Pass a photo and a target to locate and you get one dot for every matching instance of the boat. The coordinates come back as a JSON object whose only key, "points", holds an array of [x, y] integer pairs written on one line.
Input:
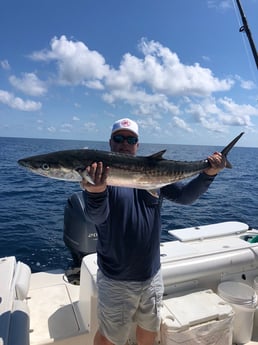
{"points": [[55, 307]]}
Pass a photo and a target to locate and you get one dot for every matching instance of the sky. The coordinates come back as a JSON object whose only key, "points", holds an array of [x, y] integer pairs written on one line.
{"points": [[180, 68]]}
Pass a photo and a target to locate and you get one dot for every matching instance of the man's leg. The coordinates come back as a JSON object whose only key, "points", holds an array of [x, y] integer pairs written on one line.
{"points": [[100, 339], [148, 314], [144, 337]]}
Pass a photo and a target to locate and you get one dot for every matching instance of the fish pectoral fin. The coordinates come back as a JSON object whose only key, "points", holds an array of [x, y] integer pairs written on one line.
{"points": [[85, 175], [157, 155], [153, 192]]}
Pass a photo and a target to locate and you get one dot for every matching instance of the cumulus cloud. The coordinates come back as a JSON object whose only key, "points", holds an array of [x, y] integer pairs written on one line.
{"points": [[66, 127], [90, 126], [246, 84], [216, 114], [151, 125], [17, 102], [29, 84], [5, 64], [76, 63], [236, 114], [154, 84], [180, 123], [220, 4], [164, 72], [158, 71], [51, 129]]}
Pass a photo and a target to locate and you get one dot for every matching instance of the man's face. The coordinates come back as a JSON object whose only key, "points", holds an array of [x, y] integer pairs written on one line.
{"points": [[119, 142]]}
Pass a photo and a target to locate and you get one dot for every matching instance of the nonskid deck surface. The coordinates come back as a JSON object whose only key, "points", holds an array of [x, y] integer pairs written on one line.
{"points": [[53, 308], [54, 314]]}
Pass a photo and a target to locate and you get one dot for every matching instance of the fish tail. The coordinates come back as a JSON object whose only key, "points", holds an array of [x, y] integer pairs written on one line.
{"points": [[226, 149]]}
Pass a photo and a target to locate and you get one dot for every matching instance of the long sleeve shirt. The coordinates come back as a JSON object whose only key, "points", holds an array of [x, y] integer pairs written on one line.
{"points": [[128, 223]]}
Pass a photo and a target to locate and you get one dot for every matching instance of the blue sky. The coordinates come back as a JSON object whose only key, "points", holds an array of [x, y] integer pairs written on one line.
{"points": [[181, 68]]}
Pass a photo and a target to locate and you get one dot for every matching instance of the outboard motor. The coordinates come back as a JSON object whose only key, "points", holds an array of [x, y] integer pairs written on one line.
{"points": [[80, 235]]}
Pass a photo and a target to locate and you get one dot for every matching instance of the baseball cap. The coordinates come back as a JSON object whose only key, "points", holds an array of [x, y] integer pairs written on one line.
{"points": [[125, 124]]}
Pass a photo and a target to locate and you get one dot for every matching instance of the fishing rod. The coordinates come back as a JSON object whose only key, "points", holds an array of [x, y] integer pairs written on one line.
{"points": [[245, 28]]}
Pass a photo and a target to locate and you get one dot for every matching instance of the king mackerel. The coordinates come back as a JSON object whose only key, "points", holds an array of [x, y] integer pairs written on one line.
{"points": [[142, 172]]}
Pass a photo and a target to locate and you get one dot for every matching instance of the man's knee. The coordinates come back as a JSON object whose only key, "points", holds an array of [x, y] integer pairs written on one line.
{"points": [[100, 339], [145, 337]]}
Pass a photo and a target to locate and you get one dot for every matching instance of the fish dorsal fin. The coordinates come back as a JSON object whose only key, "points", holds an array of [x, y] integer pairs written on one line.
{"points": [[157, 155]]}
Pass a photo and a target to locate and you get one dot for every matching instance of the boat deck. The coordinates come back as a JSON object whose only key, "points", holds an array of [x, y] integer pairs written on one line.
{"points": [[54, 310], [54, 314]]}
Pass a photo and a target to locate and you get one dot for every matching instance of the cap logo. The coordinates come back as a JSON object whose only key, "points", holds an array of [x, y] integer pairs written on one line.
{"points": [[125, 123]]}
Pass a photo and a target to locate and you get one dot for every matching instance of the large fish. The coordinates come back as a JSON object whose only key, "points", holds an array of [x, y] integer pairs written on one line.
{"points": [[148, 172]]}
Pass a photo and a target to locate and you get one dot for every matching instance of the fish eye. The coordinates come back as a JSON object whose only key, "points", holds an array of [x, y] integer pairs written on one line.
{"points": [[45, 166]]}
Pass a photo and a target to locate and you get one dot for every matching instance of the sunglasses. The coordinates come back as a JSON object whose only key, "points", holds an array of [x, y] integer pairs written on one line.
{"points": [[120, 139]]}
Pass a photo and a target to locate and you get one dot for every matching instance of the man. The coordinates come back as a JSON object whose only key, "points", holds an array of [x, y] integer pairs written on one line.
{"points": [[128, 223]]}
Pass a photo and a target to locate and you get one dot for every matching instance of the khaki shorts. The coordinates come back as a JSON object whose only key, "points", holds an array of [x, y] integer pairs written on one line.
{"points": [[120, 303]]}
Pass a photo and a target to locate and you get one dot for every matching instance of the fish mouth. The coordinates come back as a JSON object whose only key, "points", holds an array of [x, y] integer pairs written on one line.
{"points": [[24, 163]]}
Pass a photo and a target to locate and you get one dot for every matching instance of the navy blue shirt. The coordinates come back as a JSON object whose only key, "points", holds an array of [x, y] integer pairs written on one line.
{"points": [[128, 224]]}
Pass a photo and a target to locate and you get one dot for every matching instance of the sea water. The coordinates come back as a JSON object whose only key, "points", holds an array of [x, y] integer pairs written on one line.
{"points": [[32, 206]]}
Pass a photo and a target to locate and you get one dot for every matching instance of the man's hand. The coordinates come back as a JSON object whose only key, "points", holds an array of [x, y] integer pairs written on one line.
{"points": [[217, 162], [98, 175]]}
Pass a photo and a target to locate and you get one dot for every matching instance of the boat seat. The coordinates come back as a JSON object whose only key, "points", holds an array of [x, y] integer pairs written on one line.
{"points": [[14, 312], [19, 326], [22, 280]]}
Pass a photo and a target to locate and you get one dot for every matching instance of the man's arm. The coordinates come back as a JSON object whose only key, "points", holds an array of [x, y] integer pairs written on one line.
{"points": [[96, 193], [188, 193]]}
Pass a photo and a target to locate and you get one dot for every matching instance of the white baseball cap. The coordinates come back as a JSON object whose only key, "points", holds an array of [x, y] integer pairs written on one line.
{"points": [[125, 124]]}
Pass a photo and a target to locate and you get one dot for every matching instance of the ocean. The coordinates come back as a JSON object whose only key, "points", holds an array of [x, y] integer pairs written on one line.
{"points": [[32, 207]]}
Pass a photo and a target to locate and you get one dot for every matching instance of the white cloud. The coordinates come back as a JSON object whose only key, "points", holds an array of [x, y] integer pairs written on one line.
{"points": [[153, 85], [76, 63], [150, 124], [159, 71], [164, 72], [216, 114], [29, 84], [17, 102], [66, 127], [180, 123], [90, 126], [76, 118], [51, 129], [5, 65], [94, 84], [236, 114], [220, 4], [246, 84]]}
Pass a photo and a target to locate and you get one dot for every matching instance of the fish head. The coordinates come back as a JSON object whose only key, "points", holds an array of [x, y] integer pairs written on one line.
{"points": [[53, 166]]}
